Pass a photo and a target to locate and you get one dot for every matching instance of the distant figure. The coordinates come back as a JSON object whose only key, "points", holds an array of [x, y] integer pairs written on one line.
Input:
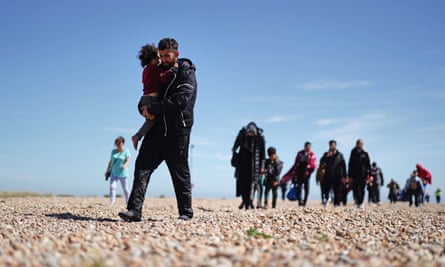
{"points": [[154, 80], [426, 177], [438, 193], [300, 173], [427, 198], [333, 180], [414, 188], [273, 169], [394, 191], [117, 169], [359, 167], [377, 182], [251, 144]]}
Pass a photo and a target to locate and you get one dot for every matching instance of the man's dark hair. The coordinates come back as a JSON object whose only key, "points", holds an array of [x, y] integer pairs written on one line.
{"points": [[147, 53], [271, 150], [306, 144], [332, 142], [168, 44]]}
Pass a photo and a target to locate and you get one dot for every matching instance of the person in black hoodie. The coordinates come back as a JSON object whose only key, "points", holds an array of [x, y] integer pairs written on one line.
{"points": [[169, 138], [335, 172], [359, 169]]}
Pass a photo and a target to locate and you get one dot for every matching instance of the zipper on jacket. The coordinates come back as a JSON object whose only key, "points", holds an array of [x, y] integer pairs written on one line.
{"points": [[183, 120], [165, 94]]}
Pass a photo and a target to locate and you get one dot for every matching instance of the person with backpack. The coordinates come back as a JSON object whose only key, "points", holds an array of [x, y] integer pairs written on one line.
{"points": [[414, 188]]}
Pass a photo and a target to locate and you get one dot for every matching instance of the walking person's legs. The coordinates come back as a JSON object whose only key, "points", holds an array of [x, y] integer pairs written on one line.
{"points": [[124, 184], [148, 159], [306, 191], [266, 195], [337, 185], [259, 190], [299, 189], [359, 188], [176, 156], [274, 197], [113, 181]]}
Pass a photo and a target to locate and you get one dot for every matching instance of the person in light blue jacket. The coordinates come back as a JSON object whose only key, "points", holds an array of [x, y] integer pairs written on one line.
{"points": [[117, 169]]}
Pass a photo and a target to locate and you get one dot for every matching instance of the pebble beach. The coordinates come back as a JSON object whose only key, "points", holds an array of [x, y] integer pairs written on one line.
{"points": [[86, 231]]}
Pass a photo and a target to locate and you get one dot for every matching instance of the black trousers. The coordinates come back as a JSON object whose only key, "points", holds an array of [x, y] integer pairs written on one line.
{"points": [[358, 189], [154, 150], [303, 183], [416, 193], [332, 184], [274, 195]]}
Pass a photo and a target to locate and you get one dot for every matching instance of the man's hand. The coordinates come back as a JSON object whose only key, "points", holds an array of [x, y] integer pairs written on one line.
{"points": [[145, 113], [135, 140]]}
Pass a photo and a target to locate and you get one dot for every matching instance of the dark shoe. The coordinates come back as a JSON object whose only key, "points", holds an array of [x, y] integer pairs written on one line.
{"points": [[184, 218], [241, 206], [130, 216]]}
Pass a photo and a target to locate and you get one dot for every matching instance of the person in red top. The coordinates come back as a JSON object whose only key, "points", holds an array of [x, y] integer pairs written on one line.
{"points": [[154, 79], [424, 174], [305, 164]]}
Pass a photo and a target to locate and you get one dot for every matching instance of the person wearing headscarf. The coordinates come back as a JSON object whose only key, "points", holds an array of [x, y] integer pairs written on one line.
{"points": [[250, 147]]}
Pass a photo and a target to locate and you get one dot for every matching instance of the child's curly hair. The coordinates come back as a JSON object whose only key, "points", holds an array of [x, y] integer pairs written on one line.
{"points": [[147, 53]]}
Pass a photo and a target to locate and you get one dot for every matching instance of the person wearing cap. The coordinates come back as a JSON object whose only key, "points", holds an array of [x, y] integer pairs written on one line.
{"points": [[250, 147]]}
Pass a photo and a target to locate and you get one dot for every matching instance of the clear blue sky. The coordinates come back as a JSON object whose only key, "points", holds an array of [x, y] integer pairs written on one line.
{"points": [[303, 70]]}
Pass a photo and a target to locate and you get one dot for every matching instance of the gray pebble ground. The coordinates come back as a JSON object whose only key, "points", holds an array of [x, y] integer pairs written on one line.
{"points": [[69, 231]]}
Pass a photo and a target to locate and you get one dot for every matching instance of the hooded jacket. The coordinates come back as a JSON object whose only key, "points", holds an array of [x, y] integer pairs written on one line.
{"points": [[174, 109]]}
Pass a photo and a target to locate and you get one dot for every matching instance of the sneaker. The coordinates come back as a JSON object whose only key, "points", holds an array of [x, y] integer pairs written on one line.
{"points": [[130, 216], [184, 218]]}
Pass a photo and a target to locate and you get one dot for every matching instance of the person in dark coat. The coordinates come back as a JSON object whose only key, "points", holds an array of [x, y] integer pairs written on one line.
{"points": [[251, 159], [376, 183], [394, 191], [273, 169], [335, 172], [359, 169]]}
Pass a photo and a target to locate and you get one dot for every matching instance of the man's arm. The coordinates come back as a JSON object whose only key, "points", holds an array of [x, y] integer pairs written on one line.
{"points": [[179, 97]]}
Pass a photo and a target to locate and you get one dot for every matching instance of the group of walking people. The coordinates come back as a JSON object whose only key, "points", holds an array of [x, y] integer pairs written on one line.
{"points": [[167, 105], [334, 175]]}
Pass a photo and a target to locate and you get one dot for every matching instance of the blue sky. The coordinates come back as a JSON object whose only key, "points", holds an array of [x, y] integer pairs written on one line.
{"points": [[303, 70]]}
